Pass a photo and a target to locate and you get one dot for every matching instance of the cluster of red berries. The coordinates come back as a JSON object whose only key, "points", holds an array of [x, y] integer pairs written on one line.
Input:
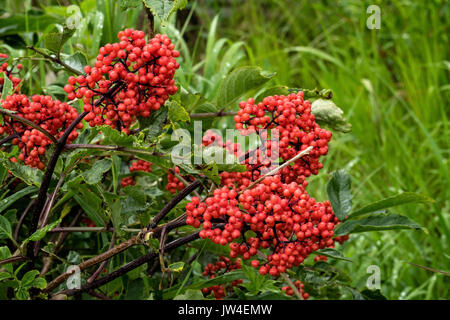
{"points": [[289, 291], [173, 183], [51, 115], [130, 78], [278, 211], [7, 71], [223, 265], [296, 130], [139, 165]]}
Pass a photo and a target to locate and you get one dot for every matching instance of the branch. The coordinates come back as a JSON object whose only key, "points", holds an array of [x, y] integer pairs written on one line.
{"points": [[274, 171], [28, 123], [172, 203], [109, 148], [13, 260], [55, 59], [130, 266], [212, 114]]}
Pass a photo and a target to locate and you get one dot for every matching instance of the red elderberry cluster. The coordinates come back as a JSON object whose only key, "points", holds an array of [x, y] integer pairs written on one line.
{"points": [[139, 165], [8, 72], [130, 78], [278, 211], [223, 265], [174, 184], [296, 131], [51, 115], [289, 291]]}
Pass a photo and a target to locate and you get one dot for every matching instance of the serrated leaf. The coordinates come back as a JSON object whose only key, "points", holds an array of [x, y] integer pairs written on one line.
{"points": [[28, 278], [340, 193], [154, 123], [164, 8], [5, 228], [25, 173], [190, 295], [76, 61], [7, 87], [211, 171], [39, 234], [91, 204], [5, 203], [332, 253], [399, 199], [375, 223], [239, 82], [56, 38], [177, 112], [112, 136], [95, 173], [327, 112]]}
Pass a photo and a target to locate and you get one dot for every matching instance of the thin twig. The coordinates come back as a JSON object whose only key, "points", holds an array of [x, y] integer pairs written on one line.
{"points": [[212, 114], [274, 171], [104, 263], [55, 59], [28, 123]]}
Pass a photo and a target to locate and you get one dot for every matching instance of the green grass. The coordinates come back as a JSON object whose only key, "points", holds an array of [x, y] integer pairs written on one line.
{"points": [[392, 84]]}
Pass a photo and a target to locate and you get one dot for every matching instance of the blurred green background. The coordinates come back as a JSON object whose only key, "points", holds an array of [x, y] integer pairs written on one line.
{"points": [[392, 83]]}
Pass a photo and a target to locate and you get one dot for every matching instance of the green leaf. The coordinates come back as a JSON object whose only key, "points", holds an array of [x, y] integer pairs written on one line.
{"points": [[340, 193], [211, 171], [90, 203], [176, 266], [39, 234], [332, 253], [234, 167], [327, 112], [7, 87], [222, 279], [177, 112], [22, 293], [39, 283], [95, 173], [5, 203], [154, 123], [25, 173], [190, 295], [56, 38], [76, 61], [378, 222], [272, 91], [164, 8], [239, 82], [28, 278], [15, 24], [5, 228], [129, 4], [399, 199], [5, 254], [112, 136], [5, 275], [373, 294]]}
